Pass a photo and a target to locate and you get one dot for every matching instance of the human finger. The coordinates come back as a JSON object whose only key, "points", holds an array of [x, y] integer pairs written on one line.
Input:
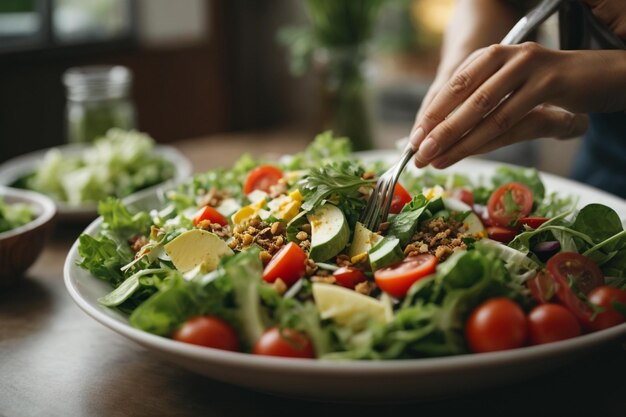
{"points": [[542, 121], [458, 89]]}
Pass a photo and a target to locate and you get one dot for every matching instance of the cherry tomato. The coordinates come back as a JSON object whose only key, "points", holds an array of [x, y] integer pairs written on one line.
{"points": [[533, 222], [208, 331], [583, 271], [496, 324], [562, 275], [542, 287], [396, 279], [401, 197], [288, 264], [262, 178], [501, 234], [210, 214], [463, 194], [606, 297], [509, 203], [550, 323], [287, 343], [348, 276]]}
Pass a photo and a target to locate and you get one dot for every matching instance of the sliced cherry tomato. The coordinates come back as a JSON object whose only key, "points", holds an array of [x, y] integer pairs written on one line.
{"points": [[533, 222], [496, 324], [262, 178], [210, 214], [208, 331], [542, 287], [607, 298], [501, 234], [286, 343], [349, 276], [288, 264], [401, 197], [586, 275], [396, 279], [559, 266], [464, 194], [509, 203], [551, 323]]}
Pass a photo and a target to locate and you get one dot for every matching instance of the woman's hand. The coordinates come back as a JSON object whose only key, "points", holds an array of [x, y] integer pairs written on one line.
{"points": [[505, 94]]}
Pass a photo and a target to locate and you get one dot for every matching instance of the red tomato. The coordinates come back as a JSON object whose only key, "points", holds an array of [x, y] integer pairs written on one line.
{"points": [[542, 287], [348, 276], [401, 197], [551, 323], [572, 266], [287, 264], [501, 234], [463, 194], [262, 178], [398, 278], [496, 324], [287, 343], [509, 203], [566, 266], [208, 331], [606, 297], [210, 214], [533, 222]]}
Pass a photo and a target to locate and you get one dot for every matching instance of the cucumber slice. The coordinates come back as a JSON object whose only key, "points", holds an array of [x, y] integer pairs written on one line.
{"points": [[386, 252]]}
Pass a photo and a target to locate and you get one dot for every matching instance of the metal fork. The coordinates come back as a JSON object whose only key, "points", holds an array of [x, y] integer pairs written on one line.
{"points": [[379, 202]]}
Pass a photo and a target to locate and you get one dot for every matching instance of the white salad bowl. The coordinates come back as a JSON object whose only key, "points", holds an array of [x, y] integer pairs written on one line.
{"points": [[16, 168], [363, 381]]}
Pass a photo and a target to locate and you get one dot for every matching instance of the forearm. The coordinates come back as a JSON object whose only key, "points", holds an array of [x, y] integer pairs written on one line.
{"points": [[474, 25]]}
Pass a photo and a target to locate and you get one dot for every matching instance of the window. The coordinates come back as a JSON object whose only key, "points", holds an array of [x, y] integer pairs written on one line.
{"points": [[27, 25]]}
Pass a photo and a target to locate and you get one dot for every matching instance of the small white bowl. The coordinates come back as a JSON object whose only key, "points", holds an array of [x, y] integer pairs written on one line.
{"points": [[20, 247]]}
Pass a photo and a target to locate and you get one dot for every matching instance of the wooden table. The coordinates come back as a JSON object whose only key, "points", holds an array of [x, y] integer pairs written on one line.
{"points": [[57, 361]]}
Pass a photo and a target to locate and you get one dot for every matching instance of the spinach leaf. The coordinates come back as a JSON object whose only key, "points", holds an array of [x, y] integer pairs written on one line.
{"points": [[600, 222]]}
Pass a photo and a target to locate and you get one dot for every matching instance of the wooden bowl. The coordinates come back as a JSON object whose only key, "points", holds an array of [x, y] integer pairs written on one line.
{"points": [[20, 247]]}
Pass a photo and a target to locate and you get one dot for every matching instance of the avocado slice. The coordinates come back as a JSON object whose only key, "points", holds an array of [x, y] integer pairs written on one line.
{"points": [[329, 232], [195, 247], [363, 240]]}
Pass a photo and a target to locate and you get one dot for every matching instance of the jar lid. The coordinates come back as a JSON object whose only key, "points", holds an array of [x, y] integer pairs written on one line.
{"points": [[97, 82]]}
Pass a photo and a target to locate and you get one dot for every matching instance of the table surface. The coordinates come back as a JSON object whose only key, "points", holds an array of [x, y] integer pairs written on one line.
{"points": [[57, 361]]}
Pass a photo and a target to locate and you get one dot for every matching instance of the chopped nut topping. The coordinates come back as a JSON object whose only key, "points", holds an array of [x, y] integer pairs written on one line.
{"points": [[280, 286], [324, 279], [365, 287]]}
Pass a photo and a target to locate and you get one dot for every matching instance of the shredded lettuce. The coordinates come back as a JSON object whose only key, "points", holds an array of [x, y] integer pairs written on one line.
{"points": [[118, 164], [14, 215]]}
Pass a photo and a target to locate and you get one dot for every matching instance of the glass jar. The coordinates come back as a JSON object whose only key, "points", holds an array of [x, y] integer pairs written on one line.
{"points": [[97, 100]]}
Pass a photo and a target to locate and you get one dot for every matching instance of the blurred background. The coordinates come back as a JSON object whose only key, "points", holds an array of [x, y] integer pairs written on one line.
{"points": [[230, 68]]}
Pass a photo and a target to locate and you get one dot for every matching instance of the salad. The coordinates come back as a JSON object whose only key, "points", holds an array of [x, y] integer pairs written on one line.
{"points": [[14, 215], [117, 164], [270, 258]]}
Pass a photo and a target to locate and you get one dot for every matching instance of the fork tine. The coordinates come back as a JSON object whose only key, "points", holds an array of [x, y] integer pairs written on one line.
{"points": [[379, 202], [372, 204]]}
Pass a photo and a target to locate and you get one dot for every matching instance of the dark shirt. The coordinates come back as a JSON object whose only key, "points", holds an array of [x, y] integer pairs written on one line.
{"points": [[601, 159]]}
